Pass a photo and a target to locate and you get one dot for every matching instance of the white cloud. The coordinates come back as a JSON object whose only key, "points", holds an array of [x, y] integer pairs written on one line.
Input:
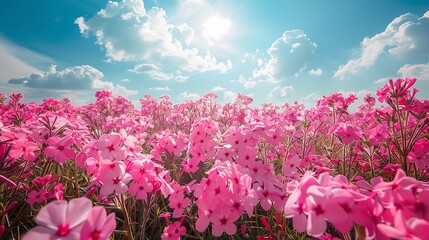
{"points": [[289, 56], [152, 70], [245, 82], [160, 89], [228, 96], [130, 33], [382, 80], [74, 78], [155, 72], [316, 72], [218, 89], [280, 92], [115, 89], [16, 61], [181, 78], [405, 35], [78, 77], [189, 96], [419, 71]]}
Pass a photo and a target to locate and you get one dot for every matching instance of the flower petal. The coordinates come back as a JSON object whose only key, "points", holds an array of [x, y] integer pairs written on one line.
{"points": [[78, 210], [53, 214]]}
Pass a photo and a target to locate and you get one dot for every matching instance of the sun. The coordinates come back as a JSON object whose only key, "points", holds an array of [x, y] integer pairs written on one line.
{"points": [[216, 27]]}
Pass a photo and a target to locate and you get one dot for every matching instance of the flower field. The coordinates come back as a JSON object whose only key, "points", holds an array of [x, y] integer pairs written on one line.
{"points": [[204, 170]]}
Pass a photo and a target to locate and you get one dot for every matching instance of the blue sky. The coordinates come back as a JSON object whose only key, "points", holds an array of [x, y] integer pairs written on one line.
{"points": [[273, 51]]}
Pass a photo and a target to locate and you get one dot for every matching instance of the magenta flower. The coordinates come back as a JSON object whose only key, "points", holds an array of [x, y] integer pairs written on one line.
{"points": [[59, 148], [223, 221], [23, 148], [412, 228], [37, 196], [60, 220], [99, 226], [111, 146], [173, 231], [320, 208], [390, 191], [114, 178]]}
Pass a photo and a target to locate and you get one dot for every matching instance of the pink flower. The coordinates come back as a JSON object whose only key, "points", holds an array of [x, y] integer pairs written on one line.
{"points": [[389, 192], [141, 188], [111, 146], [173, 231], [37, 196], [178, 202], [223, 221], [98, 226], [412, 228], [320, 208], [59, 148], [114, 178], [60, 220], [23, 148]]}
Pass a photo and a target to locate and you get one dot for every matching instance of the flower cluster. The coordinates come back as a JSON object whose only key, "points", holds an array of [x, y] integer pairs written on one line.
{"points": [[200, 169]]}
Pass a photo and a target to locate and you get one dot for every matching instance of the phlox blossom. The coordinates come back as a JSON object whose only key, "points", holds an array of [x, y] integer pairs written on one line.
{"points": [[59, 148], [60, 220], [99, 225]]}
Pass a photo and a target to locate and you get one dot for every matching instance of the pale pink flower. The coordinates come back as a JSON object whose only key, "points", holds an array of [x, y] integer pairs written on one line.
{"points": [[223, 221], [98, 226], [114, 178], [59, 148], [412, 228], [23, 148], [60, 220], [110, 146]]}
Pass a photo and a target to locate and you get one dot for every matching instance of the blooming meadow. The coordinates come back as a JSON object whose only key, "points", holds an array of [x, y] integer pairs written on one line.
{"points": [[201, 170]]}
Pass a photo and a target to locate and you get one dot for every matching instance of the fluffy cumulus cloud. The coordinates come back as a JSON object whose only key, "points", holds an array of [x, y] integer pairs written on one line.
{"points": [[279, 92], [246, 82], [288, 56], [316, 72], [152, 70], [189, 96], [74, 78], [156, 72], [227, 95], [162, 89], [419, 71], [406, 35], [129, 32]]}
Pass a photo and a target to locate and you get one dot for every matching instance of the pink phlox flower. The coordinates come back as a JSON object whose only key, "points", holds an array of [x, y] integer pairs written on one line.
{"points": [[60, 220], [173, 231], [245, 155], [178, 202], [143, 168], [99, 225], [346, 132], [59, 148], [420, 154], [405, 228], [114, 178], [377, 134], [141, 188], [23, 148], [94, 166], [290, 167], [111, 146], [37, 196], [223, 221], [294, 207], [389, 192]]}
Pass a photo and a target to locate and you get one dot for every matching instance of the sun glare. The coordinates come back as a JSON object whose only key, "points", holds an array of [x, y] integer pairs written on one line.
{"points": [[215, 27]]}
